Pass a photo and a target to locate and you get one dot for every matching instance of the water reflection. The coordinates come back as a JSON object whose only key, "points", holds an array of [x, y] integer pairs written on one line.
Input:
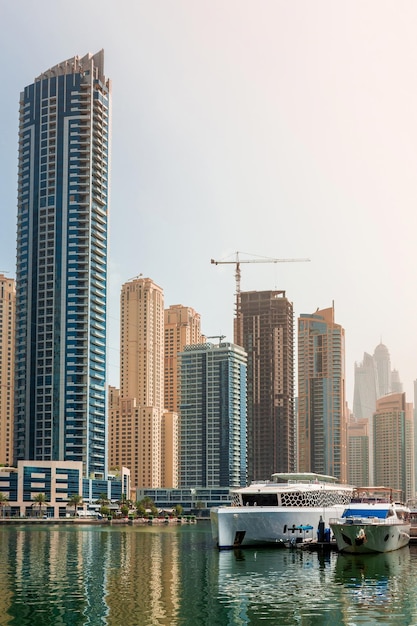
{"points": [[78, 576], [279, 586], [313, 588], [375, 586]]}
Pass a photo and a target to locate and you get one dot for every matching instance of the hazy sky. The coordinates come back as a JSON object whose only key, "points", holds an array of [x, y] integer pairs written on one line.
{"points": [[280, 129]]}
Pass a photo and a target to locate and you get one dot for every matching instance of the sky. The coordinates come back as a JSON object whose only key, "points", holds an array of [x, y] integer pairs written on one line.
{"points": [[279, 129]]}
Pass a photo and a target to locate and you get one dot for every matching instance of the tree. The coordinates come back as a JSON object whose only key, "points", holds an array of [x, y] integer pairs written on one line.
{"points": [[40, 499], [199, 506], [178, 510], [74, 501], [3, 502], [145, 505], [103, 501], [124, 501]]}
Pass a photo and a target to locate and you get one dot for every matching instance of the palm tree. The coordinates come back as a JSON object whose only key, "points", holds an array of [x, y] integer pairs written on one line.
{"points": [[3, 502], [103, 501], [74, 501], [40, 499]]}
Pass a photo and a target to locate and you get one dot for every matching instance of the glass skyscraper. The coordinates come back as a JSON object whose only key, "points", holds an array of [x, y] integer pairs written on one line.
{"points": [[213, 415], [60, 393]]}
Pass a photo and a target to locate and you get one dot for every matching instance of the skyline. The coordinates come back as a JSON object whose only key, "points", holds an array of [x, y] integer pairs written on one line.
{"points": [[299, 117]]}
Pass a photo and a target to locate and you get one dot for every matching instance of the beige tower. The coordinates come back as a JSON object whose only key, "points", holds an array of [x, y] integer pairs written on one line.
{"points": [[136, 414], [322, 420], [7, 341], [358, 452], [393, 444], [142, 342], [182, 328]]}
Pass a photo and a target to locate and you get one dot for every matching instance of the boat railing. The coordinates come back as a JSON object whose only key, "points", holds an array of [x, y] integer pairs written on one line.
{"points": [[375, 521], [381, 500]]}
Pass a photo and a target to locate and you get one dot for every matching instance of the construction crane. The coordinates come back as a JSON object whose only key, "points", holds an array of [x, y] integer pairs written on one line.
{"points": [[219, 337], [237, 262]]}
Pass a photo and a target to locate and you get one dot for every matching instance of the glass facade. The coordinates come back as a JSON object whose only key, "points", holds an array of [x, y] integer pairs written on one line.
{"points": [[213, 416], [60, 395]]}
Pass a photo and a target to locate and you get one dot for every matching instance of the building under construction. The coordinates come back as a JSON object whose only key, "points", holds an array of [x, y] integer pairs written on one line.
{"points": [[267, 326]]}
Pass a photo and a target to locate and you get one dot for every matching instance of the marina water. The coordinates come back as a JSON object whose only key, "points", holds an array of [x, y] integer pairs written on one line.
{"points": [[53, 575]]}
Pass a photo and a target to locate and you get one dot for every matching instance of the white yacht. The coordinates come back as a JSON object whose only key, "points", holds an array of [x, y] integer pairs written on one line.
{"points": [[290, 508], [372, 523]]}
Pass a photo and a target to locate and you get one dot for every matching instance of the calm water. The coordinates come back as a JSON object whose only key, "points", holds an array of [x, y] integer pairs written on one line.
{"points": [[54, 575]]}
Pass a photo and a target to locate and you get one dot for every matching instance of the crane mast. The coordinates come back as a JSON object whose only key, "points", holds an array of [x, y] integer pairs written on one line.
{"points": [[237, 262]]}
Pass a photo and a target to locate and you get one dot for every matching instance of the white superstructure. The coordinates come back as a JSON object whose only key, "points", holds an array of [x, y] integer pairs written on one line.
{"points": [[368, 526], [289, 508]]}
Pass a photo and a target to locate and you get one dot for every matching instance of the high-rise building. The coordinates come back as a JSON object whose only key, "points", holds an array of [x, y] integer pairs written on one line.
{"points": [[7, 343], [322, 419], [415, 431], [383, 367], [365, 394], [373, 379], [267, 327], [142, 342], [396, 384], [213, 415], [394, 444], [182, 328], [365, 390], [60, 394], [358, 452], [138, 432]]}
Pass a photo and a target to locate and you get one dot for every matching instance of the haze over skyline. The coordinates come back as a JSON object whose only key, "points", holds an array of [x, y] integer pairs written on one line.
{"points": [[280, 129]]}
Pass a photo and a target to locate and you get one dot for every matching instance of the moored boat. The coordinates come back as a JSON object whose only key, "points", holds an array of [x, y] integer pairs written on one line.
{"points": [[372, 523], [288, 509]]}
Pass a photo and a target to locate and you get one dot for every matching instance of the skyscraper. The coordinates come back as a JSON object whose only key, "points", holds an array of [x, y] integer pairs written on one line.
{"points": [[394, 444], [365, 394], [213, 415], [358, 452], [383, 366], [182, 328], [267, 327], [322, 419], [366, 388], [136, 415], [60, 393], [7, 343]]}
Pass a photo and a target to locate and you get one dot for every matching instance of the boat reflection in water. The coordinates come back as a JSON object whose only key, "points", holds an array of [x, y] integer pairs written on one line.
{"points": [[277, 586], [375, 582], [315, 588]]}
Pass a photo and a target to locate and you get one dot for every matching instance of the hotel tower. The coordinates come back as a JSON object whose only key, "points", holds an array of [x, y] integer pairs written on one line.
{"points": [[60, 393]]}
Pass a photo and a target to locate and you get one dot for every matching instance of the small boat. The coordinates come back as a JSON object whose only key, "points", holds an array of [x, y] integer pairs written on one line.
{"points": [[289, 509], [372, 523]]}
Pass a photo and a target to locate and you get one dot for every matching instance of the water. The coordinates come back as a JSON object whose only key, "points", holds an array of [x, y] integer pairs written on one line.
{"points": [[52, 575]]}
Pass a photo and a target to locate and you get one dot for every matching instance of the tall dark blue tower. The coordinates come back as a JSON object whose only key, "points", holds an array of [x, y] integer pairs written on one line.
{"points": [[60, 375]]}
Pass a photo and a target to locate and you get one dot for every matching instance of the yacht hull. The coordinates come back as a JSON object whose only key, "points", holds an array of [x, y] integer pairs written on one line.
{"points": [[366, 538], [237, 526]]}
